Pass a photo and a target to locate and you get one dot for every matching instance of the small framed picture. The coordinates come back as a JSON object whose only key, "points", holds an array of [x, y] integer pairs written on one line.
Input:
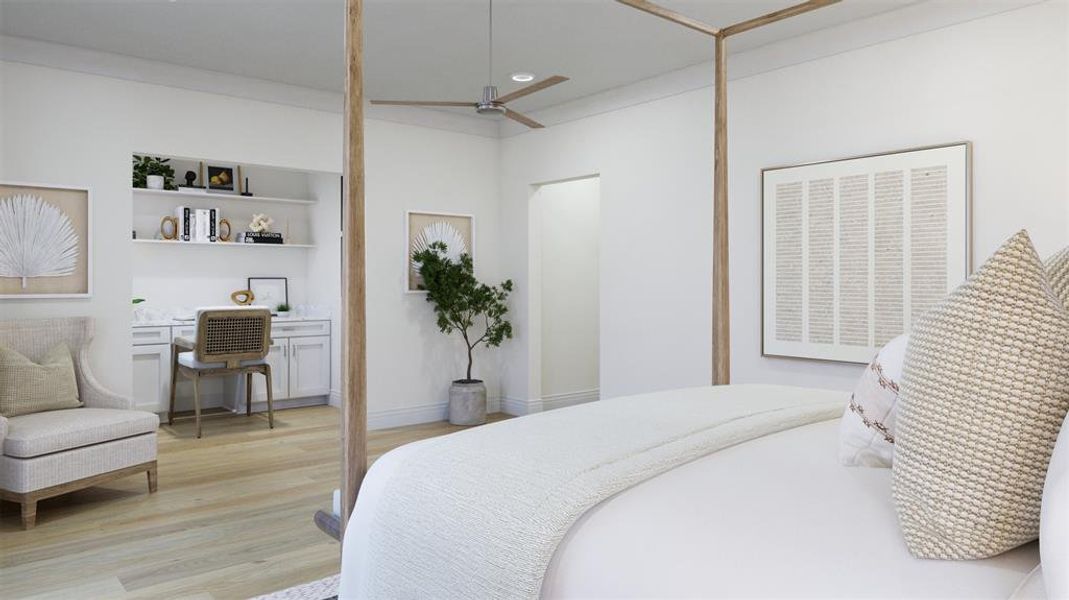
{"points": [[222, 179], [269, 292], [423, 228]]}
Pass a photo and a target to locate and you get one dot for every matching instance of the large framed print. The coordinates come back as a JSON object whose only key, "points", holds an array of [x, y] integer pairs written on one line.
{"points": [[855, 250], [45, 241]]}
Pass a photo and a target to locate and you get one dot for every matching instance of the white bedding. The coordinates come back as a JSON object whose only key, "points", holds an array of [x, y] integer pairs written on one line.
{"points": [[773, 517]]}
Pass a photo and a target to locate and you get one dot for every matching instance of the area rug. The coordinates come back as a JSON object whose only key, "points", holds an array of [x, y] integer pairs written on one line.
{"points": [[323, 589]]}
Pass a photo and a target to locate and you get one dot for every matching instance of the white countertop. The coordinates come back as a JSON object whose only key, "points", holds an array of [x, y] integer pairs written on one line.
{"points": [[188, 322]]}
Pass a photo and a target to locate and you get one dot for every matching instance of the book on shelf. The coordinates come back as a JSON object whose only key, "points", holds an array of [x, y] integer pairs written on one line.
{"points": [[206, 222], [262, 237], [184, 214]]}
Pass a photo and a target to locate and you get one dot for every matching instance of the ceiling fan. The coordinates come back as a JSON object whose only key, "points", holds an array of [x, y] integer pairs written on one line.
{"points": [[491, 103]]}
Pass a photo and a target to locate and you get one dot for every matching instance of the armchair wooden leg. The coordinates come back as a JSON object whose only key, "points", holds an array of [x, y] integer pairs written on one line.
{"points": [[248, 394], [196, 401], [174, 382], [152, 479], [270, 398], [29, 513]]}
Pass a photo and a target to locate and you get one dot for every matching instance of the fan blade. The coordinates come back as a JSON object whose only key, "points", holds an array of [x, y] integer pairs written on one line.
{"points": [[519, 118], [422, 103], [534, 87]]}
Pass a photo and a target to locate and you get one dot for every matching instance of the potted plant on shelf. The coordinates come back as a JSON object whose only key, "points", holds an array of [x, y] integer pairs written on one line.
{"points": [[283, 310], [153, 172], [460, 301]]}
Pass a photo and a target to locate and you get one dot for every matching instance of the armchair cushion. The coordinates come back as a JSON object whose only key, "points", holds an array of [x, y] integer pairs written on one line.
{"points": [[28, 387], [55, 431]]}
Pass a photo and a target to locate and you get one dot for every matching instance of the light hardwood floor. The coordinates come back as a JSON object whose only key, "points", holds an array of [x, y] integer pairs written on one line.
{"points": [[232, 517]]}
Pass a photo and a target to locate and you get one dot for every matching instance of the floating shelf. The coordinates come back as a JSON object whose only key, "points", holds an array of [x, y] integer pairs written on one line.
{"points": [[222, 244], [213, 196]]}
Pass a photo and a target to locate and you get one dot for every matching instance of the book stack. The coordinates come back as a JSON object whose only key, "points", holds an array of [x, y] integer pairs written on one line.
{"points": [[197, 224], [262, 237]]}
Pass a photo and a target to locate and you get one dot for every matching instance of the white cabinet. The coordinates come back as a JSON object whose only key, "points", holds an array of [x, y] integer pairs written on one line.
{"points": [[152, 377], [278, 358], [309, 366], [299, 357]]}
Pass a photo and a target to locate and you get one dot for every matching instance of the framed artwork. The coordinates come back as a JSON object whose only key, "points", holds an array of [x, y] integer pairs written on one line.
{"points": [[45, 241], [221, 179], [422, 228], [855, 250], [269, 292]]}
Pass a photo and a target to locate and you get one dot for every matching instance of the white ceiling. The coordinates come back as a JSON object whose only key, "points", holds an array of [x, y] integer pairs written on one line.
{"points": [[415, 49]]}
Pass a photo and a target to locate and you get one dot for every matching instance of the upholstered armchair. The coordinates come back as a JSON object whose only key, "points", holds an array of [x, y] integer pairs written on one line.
{"points": [[49, 453]]}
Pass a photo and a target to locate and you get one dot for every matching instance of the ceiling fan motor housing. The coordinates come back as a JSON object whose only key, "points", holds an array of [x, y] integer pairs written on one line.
{"points": [[489, 105]]}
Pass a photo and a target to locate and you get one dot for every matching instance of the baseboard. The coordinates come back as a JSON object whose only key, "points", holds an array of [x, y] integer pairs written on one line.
{"points": [[281, 404], [414, 415], [518, 406], [257, 406], [570, 399]]}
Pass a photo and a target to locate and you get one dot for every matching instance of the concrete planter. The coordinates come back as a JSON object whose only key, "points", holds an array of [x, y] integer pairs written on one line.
{"points": [[467, 403]]}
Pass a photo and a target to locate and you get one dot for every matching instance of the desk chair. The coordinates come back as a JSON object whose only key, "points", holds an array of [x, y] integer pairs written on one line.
{"points": [[230, 341]]}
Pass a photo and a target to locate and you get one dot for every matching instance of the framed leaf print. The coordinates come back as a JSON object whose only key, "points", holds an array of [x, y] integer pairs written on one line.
{"points": [[45, 241]]}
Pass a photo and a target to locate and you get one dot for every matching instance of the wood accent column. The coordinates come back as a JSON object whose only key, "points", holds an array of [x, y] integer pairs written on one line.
{"points": [[354, 297], [721, 299]]}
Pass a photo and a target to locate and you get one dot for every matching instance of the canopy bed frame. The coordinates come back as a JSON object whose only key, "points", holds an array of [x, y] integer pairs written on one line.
{"points": [[354, 363]]}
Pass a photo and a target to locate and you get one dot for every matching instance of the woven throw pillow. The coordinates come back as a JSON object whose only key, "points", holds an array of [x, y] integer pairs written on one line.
{"points": [[28, 387], [867, 429], [984, 389], [1058, 273]]}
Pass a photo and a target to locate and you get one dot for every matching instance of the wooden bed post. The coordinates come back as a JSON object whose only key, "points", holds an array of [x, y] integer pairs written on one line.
{"points": [[721, 281], [354, 328]]}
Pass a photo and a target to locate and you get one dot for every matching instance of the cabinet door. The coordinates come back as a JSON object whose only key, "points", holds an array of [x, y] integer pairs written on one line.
{"points": [[152, 377], [310, 366], [278, 358]]}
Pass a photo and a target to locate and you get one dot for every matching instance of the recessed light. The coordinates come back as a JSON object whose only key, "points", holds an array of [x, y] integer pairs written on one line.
{"points": [[523, 77]]}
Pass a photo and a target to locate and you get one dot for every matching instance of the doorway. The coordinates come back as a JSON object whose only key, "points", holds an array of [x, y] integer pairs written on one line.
{"points": [[567, 233]]}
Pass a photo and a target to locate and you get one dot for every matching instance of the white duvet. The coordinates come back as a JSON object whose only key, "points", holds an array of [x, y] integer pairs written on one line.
{"points": [[772, 517]]}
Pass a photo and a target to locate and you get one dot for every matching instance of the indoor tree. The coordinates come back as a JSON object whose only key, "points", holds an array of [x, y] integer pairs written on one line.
{"points": [[461, 302]]}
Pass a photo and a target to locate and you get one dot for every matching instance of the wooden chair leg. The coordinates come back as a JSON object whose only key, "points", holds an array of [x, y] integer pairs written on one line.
{"points": [[152, 479], [174, 382], [29, 513], [196, 401], [270, 398], [248, 394]]}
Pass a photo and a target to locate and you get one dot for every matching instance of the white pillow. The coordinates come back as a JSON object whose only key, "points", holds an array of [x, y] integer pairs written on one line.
{"points": [[1054, 519], [867, 429]]}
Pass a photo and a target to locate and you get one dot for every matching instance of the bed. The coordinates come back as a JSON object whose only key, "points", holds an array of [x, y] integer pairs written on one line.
{"points": [[773, 516]]}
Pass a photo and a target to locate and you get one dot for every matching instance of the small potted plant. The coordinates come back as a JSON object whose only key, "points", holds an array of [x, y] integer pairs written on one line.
{"points": [[153, 172], [460, 301], [283, 310]]}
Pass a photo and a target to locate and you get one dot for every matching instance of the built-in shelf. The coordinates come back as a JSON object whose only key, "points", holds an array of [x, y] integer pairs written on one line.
{"points": [[174, 194], [222, 244]]}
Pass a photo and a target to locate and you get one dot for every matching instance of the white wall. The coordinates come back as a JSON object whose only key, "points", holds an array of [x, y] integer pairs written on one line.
{"points": [[565, 216], [654, 223], [410, 362], [65, 127], [999, 81]]}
